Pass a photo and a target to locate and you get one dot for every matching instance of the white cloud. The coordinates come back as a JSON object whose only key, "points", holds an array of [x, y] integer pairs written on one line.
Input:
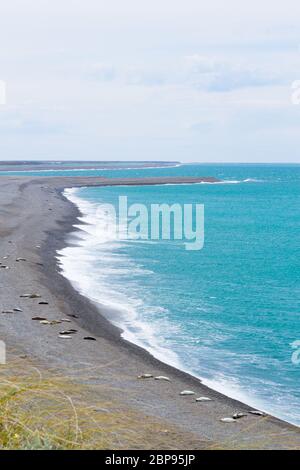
{"points": [[103, 72], [210, 74], [196, 71]]}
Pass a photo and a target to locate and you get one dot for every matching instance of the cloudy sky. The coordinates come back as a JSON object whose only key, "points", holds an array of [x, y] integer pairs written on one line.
{"points": [[187, 80]]}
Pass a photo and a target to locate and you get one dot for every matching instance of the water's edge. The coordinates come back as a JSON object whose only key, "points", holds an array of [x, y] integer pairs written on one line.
{"points": [[118, 329]]}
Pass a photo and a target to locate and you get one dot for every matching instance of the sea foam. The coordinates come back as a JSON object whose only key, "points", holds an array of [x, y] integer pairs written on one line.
{"points": [[93, 262]]}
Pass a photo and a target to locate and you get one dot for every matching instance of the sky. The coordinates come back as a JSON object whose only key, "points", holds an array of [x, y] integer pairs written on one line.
{"points": [[188, 80]]}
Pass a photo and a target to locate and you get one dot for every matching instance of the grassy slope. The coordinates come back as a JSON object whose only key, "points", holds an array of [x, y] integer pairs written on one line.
{"points": [[41, 410]]}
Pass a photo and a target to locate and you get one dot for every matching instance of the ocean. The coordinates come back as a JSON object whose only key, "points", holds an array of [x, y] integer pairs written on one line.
{"points": [[228, 313]]}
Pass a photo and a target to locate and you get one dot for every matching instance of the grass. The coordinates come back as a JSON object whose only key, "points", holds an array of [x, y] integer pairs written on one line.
{"points": [[41, 410]]}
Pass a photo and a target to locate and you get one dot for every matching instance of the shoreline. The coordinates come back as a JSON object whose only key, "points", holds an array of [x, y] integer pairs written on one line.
{"points": [[20, 166], [158, 397], [152, 350]]}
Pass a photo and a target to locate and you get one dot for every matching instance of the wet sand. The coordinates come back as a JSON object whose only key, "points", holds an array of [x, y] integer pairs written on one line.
{"points": [[34, 222]]}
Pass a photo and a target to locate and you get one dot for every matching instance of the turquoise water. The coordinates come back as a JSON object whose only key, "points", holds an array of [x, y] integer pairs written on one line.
{"points": [[227, 313], [227, 172]]}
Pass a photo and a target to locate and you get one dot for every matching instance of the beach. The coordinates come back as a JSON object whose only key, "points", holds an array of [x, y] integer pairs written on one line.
{"points": [[35, 220]]}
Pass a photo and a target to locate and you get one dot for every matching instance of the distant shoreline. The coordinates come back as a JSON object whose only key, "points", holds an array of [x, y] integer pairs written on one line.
{"points": [[60, 166], [64, 165]]}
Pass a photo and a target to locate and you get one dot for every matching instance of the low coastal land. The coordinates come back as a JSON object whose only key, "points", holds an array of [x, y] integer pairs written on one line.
{"points": [[35, 220], [57, 166]]}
